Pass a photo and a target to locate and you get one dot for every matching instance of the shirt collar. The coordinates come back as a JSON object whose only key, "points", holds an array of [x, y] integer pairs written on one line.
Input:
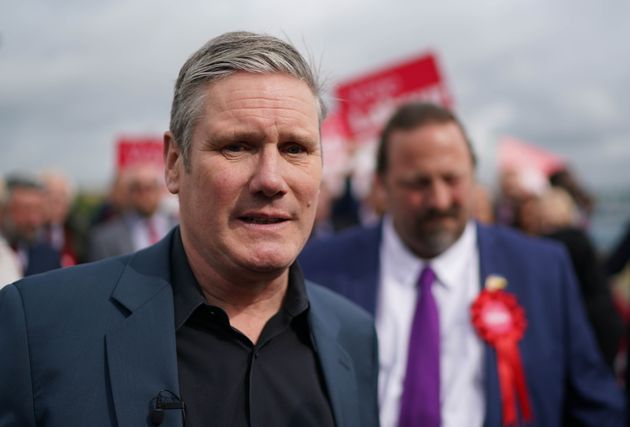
{"points": [[393, 248], [447, 266], [187, 294], [450, 264]]}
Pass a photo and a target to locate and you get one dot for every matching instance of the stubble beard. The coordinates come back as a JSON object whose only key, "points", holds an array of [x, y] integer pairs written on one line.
{"points": [[434, 239]]}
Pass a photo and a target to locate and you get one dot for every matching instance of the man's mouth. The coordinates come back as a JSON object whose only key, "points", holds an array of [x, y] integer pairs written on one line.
{"points": [[261, 220], [435, 215]]}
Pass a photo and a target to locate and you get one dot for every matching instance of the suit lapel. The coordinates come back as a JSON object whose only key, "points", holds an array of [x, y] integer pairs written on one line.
{"points": [[336, 364], [141, 351]]}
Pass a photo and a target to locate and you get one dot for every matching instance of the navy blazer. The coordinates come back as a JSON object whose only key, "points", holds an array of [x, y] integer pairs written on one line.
{"points": [[42, 257], [92, 345], [563, 367]]}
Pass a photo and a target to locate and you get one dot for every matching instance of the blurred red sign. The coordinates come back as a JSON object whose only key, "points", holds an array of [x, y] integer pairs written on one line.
{"points": [[133, 151], [367, 102], [518, 155]]}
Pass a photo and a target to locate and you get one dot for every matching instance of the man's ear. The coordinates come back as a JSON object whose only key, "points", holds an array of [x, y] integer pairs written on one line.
{"points": [[173, 163]]}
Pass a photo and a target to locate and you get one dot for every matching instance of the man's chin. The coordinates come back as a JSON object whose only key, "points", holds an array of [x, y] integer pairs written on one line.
{"points": [[268, 263], [437, 241]]}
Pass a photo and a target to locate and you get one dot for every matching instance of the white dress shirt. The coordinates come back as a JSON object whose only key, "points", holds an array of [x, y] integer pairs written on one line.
{"points": [[461, 357], [10, 269]]}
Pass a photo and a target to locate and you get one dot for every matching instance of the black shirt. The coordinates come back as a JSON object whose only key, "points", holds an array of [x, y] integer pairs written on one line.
{"points": [[226, 380]]}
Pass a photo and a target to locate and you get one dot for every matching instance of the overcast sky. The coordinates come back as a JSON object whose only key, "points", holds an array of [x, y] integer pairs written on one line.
{"points": [[74, 75]]}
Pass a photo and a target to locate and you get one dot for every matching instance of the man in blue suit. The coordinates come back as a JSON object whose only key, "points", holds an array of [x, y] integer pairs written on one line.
{"points": [[425, 169], [214, 324]]}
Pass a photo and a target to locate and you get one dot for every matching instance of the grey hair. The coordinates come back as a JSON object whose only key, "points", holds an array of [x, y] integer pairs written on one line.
{"points": [[225, 55]]}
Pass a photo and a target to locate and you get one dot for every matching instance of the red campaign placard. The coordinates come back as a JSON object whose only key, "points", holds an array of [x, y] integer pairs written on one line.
{"points": [[517, 155], [334, 127], [133, 151], [367, 102]]}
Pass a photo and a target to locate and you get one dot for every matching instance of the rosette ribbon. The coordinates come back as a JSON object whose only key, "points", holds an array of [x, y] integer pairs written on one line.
{"points": [[500, 321]]}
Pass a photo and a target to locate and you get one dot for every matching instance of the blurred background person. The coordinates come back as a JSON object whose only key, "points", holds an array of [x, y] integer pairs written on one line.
{"points": [[23, 222], [618, 258], [323, 225], [559, 219], [9, 265], [141, 224], [482, 205], [527, 215], [116, 201], [616, 266], [59, 230], [584, 202], [345, 207], [517, 186], [510, 196]]}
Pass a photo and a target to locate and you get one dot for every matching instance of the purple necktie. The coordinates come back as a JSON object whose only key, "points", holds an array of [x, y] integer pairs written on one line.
{"points": [[420, 402]]}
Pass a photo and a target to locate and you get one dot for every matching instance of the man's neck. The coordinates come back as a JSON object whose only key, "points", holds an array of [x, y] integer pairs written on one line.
{"points": [[248, 312], [249, 299]]}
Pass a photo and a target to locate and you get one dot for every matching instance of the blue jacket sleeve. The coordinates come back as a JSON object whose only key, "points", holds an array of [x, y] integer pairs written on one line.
{"points": [[16, 390]]}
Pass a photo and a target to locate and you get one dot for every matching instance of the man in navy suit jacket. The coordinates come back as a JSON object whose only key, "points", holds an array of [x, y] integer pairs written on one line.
{"points": [[425, 168], [213, 325]]}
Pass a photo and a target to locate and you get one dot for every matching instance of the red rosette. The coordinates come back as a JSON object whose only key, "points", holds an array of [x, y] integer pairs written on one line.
{"points": [[500, 321]]}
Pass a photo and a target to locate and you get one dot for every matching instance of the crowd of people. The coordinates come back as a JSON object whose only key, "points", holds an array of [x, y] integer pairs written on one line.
{"points": [[40, 230], [489, 311]]}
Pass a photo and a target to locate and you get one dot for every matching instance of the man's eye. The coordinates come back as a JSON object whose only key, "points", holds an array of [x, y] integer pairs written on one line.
{"points": [[451, 180], [415, 184], [295, 149], [236, 147]]}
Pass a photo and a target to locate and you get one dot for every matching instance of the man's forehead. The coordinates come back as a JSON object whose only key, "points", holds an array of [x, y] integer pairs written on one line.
{"points": [[267, 82], [251, 111], [27, 191], [254, 131], [448, 130], [23, 195], [259, 90], [431, 139]]}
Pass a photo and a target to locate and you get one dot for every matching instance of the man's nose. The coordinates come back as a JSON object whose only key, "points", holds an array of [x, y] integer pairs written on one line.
{"points": [[268, 177], [440, 196]]}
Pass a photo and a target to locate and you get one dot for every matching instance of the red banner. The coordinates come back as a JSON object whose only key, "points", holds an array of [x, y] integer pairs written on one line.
{"points": [[518, 155], [367, 102], [133, 151]]}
